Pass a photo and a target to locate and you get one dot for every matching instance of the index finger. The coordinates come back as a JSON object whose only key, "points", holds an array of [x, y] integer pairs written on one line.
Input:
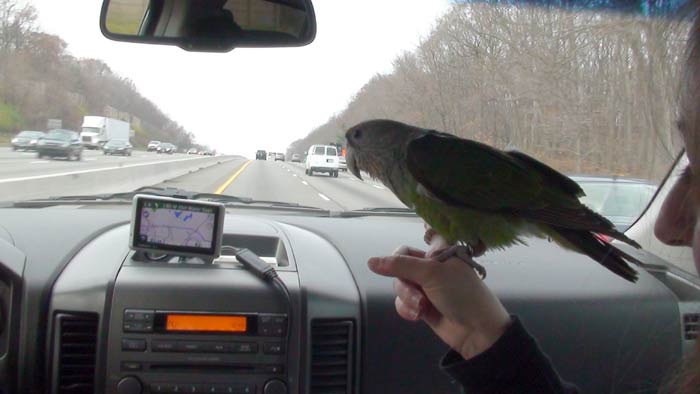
{"points": [[414, 269]]}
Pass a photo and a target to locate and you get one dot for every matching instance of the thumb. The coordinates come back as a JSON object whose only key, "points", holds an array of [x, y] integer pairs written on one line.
{"points": [[414, 269]]}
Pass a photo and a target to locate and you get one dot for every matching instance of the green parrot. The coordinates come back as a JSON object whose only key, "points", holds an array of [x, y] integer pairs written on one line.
{"points": [[472, 193]]}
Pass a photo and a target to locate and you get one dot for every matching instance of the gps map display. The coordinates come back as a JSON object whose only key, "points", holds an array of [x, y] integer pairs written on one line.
{"points": [[172, 225], [177, 224]]}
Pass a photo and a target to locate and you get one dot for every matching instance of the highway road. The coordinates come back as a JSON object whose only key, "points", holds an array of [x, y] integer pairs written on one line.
{"points": [[23, 176], [286, 181]]}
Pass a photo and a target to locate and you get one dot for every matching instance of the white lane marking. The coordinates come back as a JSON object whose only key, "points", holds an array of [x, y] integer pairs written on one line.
{"points": [[294, 174], [90, 159], [305, 183], [121, 167], [145, 156], [39, 162], [379, 187], [323, 197]]}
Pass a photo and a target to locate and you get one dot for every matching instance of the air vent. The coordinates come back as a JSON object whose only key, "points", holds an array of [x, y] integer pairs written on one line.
{"points": [[77, 352], [331, 356], [691, 325]]}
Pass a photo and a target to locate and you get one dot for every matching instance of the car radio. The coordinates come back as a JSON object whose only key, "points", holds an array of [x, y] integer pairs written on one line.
{"points": [[202, 352]]}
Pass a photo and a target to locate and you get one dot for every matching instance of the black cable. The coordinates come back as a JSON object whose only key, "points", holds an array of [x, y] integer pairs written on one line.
{"points": [[267, 272]]}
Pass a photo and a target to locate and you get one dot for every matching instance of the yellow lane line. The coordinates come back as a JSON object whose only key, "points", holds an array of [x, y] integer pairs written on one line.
{"points": [[233, 178]]}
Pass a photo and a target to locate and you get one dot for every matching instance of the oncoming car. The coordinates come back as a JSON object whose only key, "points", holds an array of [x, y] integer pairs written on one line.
{"points": [[60, 143], [166, 147], [26, 140], [117, 147], [153, 146]]}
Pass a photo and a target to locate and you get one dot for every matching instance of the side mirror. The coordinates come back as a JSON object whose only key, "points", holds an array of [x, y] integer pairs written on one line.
{"points": [[210, 25]]}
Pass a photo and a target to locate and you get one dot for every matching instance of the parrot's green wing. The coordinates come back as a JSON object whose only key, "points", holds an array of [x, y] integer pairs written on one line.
{"points": [[471, 174], [474, 175]]}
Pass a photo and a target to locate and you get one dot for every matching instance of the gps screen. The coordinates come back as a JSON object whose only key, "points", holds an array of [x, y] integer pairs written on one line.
{"points": [[175, 226]]}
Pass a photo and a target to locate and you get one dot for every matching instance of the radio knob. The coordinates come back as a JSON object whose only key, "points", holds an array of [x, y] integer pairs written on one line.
{"points": [[129, 385], [275, 386]]}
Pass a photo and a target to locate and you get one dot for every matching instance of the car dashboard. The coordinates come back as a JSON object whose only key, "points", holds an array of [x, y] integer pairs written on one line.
{"points": [[82, 313]]}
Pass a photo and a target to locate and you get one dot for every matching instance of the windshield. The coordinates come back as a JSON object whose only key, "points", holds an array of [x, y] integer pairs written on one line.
{"points": [[59, 135], [29, 134], [588, 93]]}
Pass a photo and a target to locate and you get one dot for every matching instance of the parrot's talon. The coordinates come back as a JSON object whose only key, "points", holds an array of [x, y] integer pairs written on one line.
{"points": [[464, 253]]}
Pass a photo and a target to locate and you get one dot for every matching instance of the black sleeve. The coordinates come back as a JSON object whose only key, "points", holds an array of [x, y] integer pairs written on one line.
{"points": [[514, 364]]}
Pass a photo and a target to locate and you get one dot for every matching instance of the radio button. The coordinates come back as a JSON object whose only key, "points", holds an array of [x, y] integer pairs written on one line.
{"points": [[133, 345], [272, 330], [234, 388], [131, 366], [164, 388], [273, 369], [138, 315], [216, 347], [243, 347], [164, 346], [137, 326], [273, 348], [191, 347], [188, 388]]}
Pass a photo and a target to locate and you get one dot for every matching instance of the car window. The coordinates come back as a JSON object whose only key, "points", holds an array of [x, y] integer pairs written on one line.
{"points": [[626, 200], [331, 152], [596, 194], [61, 135], [319, 150]]}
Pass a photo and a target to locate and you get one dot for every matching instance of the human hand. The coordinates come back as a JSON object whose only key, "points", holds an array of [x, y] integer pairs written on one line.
{"points": [[448, 296]]}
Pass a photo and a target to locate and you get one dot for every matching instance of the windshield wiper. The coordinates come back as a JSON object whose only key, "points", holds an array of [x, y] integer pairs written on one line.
{"points": [[378, 211], [126, 197]]}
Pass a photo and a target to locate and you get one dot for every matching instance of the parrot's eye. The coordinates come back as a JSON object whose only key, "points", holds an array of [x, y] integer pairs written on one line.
{"points": [[357, 134]]}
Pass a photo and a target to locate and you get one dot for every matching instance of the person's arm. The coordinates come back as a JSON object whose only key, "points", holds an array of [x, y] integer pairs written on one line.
{"points": [[492, 353], [514, 364]]}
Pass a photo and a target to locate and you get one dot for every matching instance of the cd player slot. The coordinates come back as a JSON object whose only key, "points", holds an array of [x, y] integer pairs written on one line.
{"points": [[216, 368]]}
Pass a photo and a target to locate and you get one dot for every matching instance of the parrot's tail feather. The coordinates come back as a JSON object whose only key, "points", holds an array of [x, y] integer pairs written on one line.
{"points": [[604, 253], [622, 237]]}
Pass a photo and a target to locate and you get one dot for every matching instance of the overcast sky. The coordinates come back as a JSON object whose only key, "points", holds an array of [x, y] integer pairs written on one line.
{"points": [[251, 99]]}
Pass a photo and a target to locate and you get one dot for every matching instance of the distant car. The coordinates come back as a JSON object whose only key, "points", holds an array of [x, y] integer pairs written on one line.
{"points": [[296, 158], [279, 156], [342, 164], [153, 146], [117, 147], [166, 147], [26, 140], [322, 158], [192, 151], [60, 143], [621, 200], [271, 156], [260, 155]]}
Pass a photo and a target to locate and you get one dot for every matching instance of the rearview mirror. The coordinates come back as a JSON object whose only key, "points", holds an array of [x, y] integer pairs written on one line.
{"points": [[210, 25]]}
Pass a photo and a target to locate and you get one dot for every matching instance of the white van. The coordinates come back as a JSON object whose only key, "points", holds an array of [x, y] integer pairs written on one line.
{"points": [[322, 158]]}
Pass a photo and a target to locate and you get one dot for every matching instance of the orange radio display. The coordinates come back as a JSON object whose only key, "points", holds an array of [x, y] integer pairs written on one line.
{"points": [[206, 323]]}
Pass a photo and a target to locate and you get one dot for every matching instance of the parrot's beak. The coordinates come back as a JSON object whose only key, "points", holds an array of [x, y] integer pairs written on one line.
{"points": [[352, 163]]}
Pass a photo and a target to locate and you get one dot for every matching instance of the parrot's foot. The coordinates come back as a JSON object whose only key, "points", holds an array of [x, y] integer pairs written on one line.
{"points": [[464, 253]]}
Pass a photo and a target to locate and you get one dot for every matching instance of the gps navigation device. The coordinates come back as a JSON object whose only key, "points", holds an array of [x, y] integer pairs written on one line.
{"points": [[176, 226]]}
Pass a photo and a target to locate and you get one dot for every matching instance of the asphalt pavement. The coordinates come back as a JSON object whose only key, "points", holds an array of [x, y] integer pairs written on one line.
{"points": [[24, 176], [287, 182]]}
